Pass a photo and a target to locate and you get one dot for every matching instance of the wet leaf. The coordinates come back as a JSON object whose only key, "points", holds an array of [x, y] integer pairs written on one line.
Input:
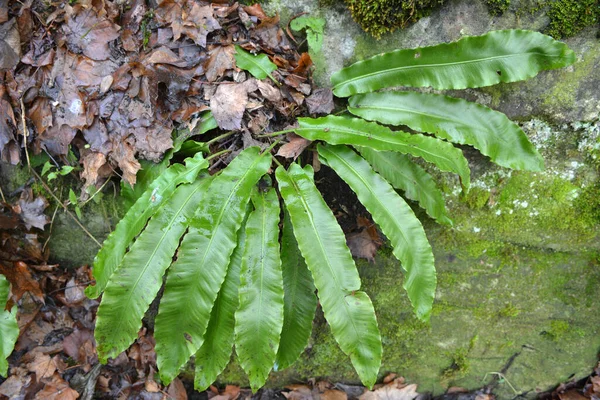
{"points": [[320, 101], [10, 45], [21, 280], [88, 33], [229, 103], [294, 147]]}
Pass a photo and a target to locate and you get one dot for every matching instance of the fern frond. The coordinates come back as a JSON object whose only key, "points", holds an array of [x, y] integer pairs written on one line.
{"points": [[396, 220], [358, 132], [134, 285], [473, 61], [9, 330], [259, 318], [348, 311], [300, 301], [114, 247], [404, 174], [456, 120], [195, 278]]}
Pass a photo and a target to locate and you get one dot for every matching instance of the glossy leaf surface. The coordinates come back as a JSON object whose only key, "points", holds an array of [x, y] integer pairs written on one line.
{"points": [[473, 61], [259, 318], [9, 330], [455, 120], [396, 220], [358, 132], [258, 65], [348, 311], [114, 247], [300, 301], [135, 284], [195, 278], [215, 352], [404, 174]]}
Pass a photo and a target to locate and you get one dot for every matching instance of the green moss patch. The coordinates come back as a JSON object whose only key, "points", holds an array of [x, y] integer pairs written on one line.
{"points": [[378, 17]]}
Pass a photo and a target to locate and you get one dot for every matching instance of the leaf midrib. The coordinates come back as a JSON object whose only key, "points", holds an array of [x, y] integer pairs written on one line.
{"points": [[437, 65], [165, 233], [434, 115], [309, 214], [383, 140]]}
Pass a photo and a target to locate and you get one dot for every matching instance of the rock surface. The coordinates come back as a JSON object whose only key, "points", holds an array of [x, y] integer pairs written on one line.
{"points": [[518, 273]]}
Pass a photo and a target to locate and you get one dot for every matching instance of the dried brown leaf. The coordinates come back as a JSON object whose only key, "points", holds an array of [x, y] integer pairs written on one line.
{"points": [[123, 155], [21, 281], [56, 388], [176, 390], [42, 365], [229, 103], [361, 245], [88, 33], [320, 101], [391, 391], [334, 395], [32, 209], [221, 59], [40, 114], [294, 147], [7, 123], [10, 45]]}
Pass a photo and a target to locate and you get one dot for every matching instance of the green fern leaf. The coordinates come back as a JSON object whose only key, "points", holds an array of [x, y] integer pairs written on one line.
{"points": [[300, 301], [358, 132], [9, 330], [195, 278], [348, 311], [396, 220], [111, 254], [473, 61], [215, 352], [258, 65], [259, 318], [456, 120], [404, 174], [134, 285]]}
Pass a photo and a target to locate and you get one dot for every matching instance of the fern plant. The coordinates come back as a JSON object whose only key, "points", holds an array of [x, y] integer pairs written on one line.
{"points": [[9, 331], [237, 278]]}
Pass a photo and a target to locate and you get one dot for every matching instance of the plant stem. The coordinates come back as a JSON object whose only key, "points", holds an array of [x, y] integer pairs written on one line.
{"points": [[278, 132], [275, 143], [223, 136], [217, 154]]}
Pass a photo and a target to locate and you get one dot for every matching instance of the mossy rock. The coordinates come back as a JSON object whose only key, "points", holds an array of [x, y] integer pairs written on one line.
{"points": [[378, 17]]}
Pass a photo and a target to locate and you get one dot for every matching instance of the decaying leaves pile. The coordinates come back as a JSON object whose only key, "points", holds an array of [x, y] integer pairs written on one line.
{"points": [[110, 80]]}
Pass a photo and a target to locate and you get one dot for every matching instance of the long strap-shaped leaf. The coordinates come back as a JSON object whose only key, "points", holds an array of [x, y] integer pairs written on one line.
{"points": [[9, 330], [300, 301], [404, 174], [196, 277], [358, 132], [473, 61], [259, 318], [114, 247], [134, 285], [348, 311], [456, 120], [396, 220], [215, 352]]}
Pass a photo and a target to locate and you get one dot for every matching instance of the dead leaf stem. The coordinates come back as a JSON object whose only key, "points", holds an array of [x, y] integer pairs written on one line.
{"points": [[24, 124]]}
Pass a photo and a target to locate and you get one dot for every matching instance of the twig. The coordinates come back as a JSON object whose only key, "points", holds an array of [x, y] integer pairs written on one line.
{"points": [[24, 131], [95, 193], [223, 136], [2, 194], [65, 208]]}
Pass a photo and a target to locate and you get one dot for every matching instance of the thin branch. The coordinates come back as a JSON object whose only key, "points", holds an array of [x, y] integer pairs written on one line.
{"points": [[65, 208]]}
